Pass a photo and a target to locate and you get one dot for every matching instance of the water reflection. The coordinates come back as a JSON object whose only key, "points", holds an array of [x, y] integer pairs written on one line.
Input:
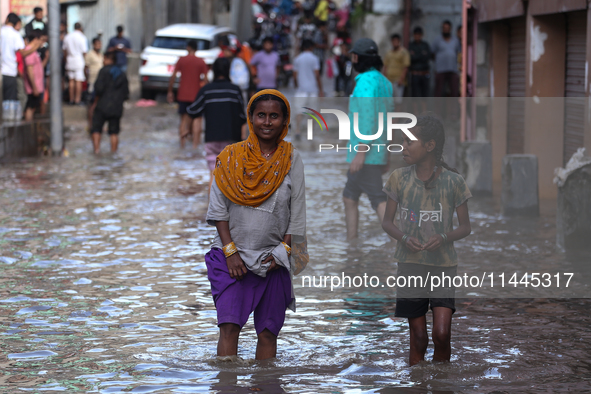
{"points": [[103, 288]]}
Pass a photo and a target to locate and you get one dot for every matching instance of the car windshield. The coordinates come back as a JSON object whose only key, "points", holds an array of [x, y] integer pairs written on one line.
{"points": [[178, 43]]}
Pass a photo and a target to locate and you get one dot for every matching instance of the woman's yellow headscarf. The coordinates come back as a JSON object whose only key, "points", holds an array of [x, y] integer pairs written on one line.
{"points": [[243, 174]]}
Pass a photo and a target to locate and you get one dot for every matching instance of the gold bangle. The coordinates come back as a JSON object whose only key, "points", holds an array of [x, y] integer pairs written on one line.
{"points": [[287, 248], [229, 249]]}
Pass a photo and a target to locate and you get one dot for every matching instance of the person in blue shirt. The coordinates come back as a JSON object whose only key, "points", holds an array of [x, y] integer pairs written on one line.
{"points": [[121, 46], [372, 95]]}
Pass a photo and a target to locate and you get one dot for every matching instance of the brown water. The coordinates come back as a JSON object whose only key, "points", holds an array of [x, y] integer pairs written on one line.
{"points": [[103, 288]]}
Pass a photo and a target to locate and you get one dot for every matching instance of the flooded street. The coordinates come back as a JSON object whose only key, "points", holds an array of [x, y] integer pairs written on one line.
{"points": [[103, 287]]}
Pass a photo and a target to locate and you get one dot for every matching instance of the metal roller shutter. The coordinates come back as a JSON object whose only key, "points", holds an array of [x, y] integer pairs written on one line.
{"points": [[515, 123], [574, 93]]}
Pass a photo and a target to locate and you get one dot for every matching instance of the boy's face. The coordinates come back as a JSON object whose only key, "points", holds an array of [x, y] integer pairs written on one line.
{"points": [[395, 43], [418, 37], [97, 46], [268, 46]]}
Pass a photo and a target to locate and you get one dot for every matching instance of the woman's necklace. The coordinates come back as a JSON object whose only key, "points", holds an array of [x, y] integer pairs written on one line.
{"points": [[267, 155]]}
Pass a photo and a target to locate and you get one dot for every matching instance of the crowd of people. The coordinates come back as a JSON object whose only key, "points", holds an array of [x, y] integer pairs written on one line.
{"points": [[93, 78]]}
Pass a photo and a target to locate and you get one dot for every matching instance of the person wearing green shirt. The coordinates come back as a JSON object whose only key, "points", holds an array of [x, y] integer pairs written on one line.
{"points": [[372, 95]]}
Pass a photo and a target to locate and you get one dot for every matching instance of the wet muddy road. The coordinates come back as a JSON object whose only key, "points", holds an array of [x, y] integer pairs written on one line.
{"points": [[103, 288]]}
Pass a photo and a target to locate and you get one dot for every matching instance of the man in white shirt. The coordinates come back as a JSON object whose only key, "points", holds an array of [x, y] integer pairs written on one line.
{"points": [[75, 48], [306, 79], [11, 43]]}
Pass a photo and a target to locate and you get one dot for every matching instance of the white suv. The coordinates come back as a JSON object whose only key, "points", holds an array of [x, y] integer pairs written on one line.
{"points": [[170, 43]]}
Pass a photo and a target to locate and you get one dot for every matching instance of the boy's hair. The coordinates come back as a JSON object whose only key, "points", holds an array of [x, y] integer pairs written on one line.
{"points": [[366, 63], [77, 26], [221, 68], [112, 56], [447, 22], [95, 40], [418, 30], [35, 34], [268, 39], [395, 35], [37, 9], [192, 44], [307, 44], [120, 29], [431, 128], [320, 23], [13, 19]]}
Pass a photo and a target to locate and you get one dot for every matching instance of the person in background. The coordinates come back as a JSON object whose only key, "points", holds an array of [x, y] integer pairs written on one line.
{"points": [[321, 43], [344, 80], [94, 63], [34, 76], [121, 46], [322, 10], [239, 71], [307, 81], [111, 91], [420, 55], [193, 72], [220, 103], [267, 65], [11, 43], [306, 28], [75, 48], [372, 95], [446, 49], [396, 63], [36, 23]]}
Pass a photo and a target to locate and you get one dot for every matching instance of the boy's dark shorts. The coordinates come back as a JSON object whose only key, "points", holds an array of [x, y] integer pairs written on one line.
{"points": [[98, 121], [9, 88], [183, 107], [34, 102], [414, 301], [368, 180]]}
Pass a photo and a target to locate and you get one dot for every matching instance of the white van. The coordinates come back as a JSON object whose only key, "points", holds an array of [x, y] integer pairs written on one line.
{"points": [[170, 43]]}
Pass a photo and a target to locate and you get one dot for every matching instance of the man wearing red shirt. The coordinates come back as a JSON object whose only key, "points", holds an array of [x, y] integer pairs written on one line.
{"points": [[193, 72]]}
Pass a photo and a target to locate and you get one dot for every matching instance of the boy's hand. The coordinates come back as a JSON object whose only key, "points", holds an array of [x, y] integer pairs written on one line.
{"points": [[170, 97], [433, 243], [413, 244], [236, 266]]}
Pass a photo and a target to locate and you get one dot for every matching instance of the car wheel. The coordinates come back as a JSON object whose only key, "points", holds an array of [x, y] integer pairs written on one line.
{"points": [[148, 94]]}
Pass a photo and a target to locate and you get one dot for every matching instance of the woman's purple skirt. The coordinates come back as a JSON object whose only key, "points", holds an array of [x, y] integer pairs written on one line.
{"points": [[235, 300]]}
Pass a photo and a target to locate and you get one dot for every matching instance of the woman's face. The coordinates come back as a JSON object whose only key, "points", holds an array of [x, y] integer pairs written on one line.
{"points": [[267, 120]]}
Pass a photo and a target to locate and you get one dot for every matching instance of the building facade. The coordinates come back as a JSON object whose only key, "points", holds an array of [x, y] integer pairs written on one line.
{"points": [[538, 76]]}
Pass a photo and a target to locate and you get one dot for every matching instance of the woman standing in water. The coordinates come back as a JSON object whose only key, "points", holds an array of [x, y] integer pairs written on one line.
{"points": [[258, 205]]}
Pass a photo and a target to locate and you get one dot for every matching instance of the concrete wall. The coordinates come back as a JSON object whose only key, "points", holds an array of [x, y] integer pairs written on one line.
{"points": [[21, 139], [545, 75]]}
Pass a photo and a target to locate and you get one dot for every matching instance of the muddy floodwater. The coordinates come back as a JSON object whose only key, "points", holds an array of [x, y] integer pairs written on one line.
{"points": [[103, 287]]}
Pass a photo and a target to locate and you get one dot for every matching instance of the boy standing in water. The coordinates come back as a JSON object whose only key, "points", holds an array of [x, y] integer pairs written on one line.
{"points": [[427, 192], [112, 90]]}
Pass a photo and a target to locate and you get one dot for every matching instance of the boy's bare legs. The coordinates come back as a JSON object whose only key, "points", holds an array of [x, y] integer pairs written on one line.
{"points": [[228, 342], [78, 92], [184, 128], [351, 217], [114, 142], [29, 113], [96, 142], [72, 89], [442, 333], [419, 339], [196, 128], [266, 345]]}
